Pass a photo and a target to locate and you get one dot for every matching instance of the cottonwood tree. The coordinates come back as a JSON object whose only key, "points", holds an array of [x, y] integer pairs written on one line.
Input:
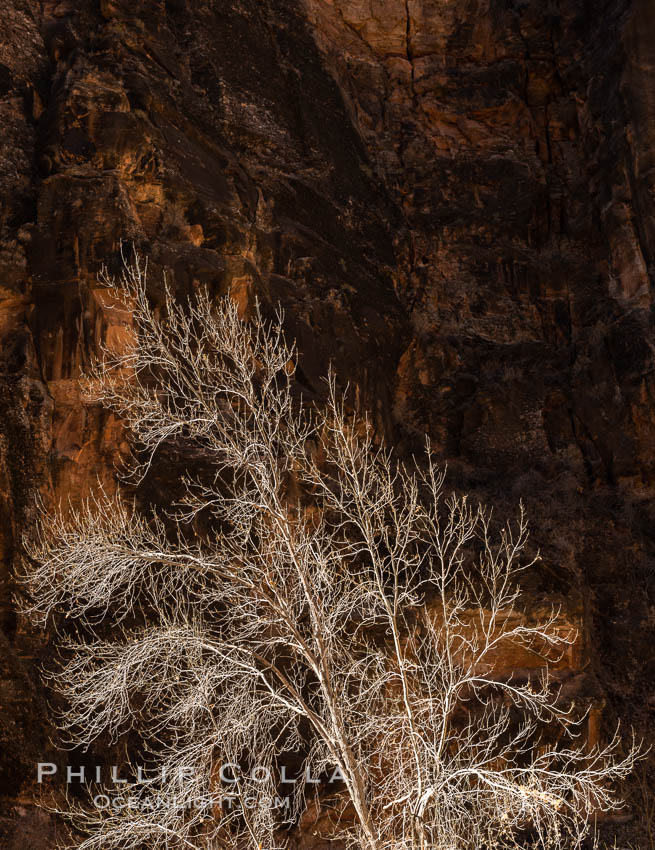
{"points": [[333, 606]]}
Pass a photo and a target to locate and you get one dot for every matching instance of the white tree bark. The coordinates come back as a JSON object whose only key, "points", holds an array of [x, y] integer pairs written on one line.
{"points": [[342, 609]]}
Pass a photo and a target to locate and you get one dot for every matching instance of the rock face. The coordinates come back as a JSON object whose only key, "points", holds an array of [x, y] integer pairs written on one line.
{"points": [[453, 200]]}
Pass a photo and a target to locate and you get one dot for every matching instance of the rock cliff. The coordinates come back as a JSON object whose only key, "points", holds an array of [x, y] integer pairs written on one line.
{"points": [[453, 200]]}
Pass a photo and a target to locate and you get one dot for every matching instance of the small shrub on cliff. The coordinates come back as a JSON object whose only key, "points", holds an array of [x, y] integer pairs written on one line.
{"points": [[337, 611]]}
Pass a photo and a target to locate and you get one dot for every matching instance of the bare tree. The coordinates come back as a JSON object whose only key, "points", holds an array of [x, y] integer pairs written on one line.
{"points": [[341, 611]]}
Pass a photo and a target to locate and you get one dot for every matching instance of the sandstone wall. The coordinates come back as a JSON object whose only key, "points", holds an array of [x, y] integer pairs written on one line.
{"points": [[453, 199]]}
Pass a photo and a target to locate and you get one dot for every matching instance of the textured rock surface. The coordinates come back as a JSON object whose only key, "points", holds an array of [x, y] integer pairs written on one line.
{"points": [[453, 199]]}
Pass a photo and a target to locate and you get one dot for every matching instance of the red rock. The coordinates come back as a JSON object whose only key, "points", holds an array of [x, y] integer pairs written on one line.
{"points": [[452, 199]]}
